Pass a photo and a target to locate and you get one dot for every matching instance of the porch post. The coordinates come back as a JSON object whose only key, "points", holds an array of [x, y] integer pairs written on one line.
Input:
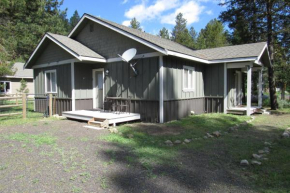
{"points": [[161, 112], [249, 89], [73, 97], [260, 99], [225, 88]]}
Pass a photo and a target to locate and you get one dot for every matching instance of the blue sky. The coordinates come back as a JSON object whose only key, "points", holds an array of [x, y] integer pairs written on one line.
{"points": [[152, 14]]}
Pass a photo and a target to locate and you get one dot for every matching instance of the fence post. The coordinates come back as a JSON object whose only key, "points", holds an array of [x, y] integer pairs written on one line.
{"points": [[24, 105], [50, 105], [16, 99]]}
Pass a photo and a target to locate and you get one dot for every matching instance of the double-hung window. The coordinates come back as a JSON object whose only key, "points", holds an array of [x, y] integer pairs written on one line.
{"points": [[5, 87], [50, 81], [188, 78]]}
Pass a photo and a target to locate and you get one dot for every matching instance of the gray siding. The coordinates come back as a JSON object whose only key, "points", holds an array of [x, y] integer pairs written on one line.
{"points": [[173, 79], [63, 73], [121, 81], [107, 42], [84, 104], [52, 53], [84, 80], [214, 80]]}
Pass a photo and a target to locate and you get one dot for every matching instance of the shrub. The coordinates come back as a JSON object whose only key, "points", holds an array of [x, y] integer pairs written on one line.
{"points": [[283, 104]]}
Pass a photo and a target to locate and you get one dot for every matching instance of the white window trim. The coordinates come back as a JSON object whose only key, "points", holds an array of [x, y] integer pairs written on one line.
{"points": [[10, 91], [49, 71], [193, 77]]}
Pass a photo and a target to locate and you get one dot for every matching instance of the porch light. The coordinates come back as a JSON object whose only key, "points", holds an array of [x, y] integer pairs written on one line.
{"points": [[107, 72]]}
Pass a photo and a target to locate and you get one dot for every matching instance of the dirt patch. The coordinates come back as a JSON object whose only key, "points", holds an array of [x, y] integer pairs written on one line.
{"points": [[157, 130]]}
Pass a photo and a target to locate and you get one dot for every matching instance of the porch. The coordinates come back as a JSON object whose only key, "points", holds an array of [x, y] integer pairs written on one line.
{"points": [[97, 116], [239, 86]]}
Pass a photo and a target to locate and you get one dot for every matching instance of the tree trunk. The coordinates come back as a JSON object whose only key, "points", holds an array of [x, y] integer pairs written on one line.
{"points": [[271, 79], [283, 91]]}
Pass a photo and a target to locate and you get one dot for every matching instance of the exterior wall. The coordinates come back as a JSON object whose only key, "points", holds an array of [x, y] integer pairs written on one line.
{"points": [[15, 84], [107, 42], [173, 79], [121, 81], [84, 79], [60, 105], [52, 53], [214, 80], [63, 74], [84, 104]]}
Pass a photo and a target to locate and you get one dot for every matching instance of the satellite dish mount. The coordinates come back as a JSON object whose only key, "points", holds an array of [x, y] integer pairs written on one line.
{"points": [[127, 56]]}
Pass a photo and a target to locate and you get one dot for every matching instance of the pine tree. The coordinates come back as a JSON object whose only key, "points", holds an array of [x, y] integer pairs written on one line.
{"points": [[135, 24], [74, 19], [212, 36], [180, 33], [23, 87], [193, 35], [164, 33]]}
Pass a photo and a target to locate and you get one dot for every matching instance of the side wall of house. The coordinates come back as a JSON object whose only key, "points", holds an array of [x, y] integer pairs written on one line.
{"points": [[177, 102], [15, 84], [143, 89], [63, 95], [107, 42], [84, 84]]}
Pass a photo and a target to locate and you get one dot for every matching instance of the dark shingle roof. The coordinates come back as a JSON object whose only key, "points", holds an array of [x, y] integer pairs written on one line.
{"points": [[75, 46], [228, 52], [238, 51]]}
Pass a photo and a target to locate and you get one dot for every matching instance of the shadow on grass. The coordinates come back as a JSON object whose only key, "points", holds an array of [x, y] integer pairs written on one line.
{"points": [[182, 168]]}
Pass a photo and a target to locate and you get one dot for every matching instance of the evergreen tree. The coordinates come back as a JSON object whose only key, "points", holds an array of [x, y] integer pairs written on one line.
{"points": [[255, 21], [135, 24], [74, 19], [23, 23], [164, 33], [180, 33], [23, 87], [212, 36], [193, 35]]}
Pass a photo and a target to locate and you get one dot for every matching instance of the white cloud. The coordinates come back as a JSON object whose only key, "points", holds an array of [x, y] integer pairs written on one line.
{"points": [[126, 23], [125, 1], [209, 12], [190, 10], [143, 12], [166, 11]]}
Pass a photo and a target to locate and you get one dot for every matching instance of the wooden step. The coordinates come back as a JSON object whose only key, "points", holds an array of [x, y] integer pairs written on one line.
{"points": [[103, 123]]}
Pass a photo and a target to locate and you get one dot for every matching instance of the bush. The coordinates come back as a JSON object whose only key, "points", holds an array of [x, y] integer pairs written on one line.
{"points": [[266, 102], [283, 104]]}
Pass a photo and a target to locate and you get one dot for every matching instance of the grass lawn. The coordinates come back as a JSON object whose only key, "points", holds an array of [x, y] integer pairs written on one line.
{"points": [[62, 156]]}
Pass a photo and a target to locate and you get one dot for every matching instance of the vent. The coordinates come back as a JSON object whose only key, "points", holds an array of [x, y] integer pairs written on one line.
{"points": [[91, 27]]}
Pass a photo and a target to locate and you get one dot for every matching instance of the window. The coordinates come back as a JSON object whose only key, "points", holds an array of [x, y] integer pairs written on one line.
{"points": [[50, 81], [188, 78], [5, 86]]}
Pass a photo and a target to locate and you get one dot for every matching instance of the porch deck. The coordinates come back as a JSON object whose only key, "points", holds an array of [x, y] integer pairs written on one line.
{"points": [[242, 110], [111, 117]]}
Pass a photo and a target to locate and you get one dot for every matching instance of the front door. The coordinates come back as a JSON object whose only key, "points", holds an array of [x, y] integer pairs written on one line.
{"points": [[238, 85], [99, 80]]}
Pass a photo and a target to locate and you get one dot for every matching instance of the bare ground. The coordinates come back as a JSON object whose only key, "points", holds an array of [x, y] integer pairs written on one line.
{"points": [[79, 161]]}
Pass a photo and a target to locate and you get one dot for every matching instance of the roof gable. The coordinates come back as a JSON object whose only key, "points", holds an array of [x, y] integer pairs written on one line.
{"points": [[68, 46], [107, 42]]}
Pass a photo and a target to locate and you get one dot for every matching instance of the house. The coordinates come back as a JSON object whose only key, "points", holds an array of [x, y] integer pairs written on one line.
{"points": [[10, 84], [84, 68]]}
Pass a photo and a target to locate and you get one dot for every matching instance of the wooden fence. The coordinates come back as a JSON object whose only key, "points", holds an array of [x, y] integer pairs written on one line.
{"points": [[23, 99]]}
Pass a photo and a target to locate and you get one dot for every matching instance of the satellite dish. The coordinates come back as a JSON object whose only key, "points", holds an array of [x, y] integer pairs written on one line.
{"points": [[128, 54]]}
